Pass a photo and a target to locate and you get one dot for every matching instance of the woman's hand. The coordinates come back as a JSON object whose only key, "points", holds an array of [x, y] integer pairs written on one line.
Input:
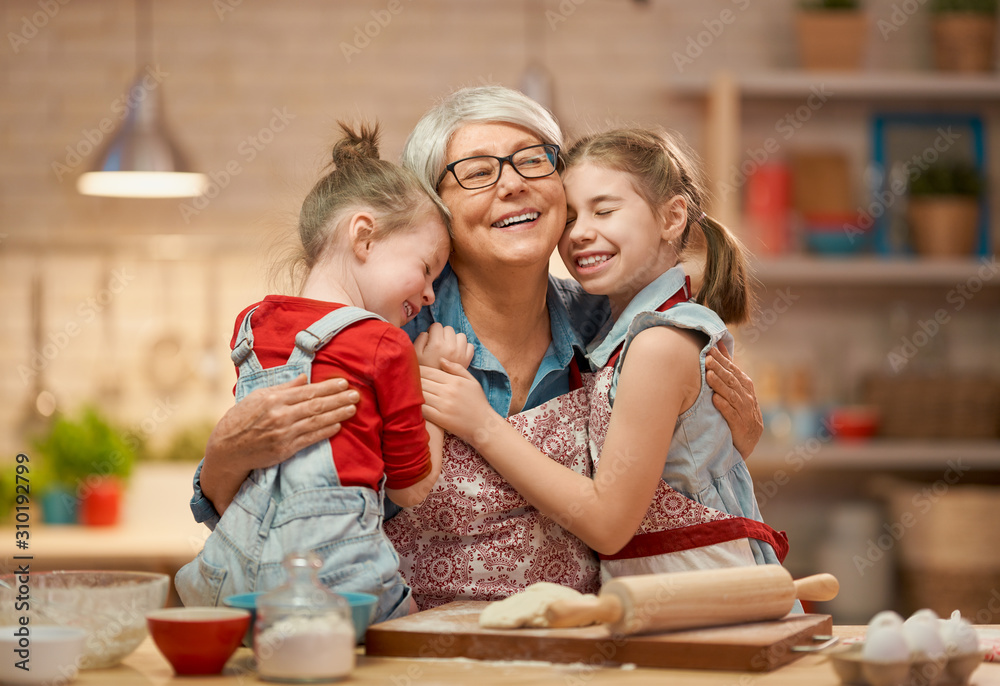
{"points": [[734, 397], [443, 343], [267, 427], [455, 401]]}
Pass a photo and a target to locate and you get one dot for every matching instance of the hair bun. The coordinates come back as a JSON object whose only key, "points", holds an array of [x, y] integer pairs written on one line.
{"points": [[356, 146]]}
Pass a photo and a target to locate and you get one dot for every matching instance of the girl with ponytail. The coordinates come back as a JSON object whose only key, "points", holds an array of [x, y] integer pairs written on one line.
{"points": [[373, 241], [670, 492]]}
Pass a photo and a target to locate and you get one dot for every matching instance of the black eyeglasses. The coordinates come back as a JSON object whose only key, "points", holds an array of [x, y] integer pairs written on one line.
{"points": [[473, 173]]}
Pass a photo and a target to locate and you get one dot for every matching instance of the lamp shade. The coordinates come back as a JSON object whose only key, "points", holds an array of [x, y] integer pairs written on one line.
{"points": [[142, 160]]}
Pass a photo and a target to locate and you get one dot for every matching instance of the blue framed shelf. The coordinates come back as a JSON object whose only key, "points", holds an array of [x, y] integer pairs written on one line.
{"points": [[905, 144]]}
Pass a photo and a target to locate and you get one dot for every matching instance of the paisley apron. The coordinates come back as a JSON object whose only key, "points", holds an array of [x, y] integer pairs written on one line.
{"points": [[475, 538]]}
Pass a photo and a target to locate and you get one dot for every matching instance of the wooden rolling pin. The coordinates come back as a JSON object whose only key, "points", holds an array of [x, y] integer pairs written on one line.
{"points": [[688, 600]]}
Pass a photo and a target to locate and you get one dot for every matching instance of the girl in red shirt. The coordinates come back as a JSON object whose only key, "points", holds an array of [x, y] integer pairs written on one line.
{"points": [[373, 241]]}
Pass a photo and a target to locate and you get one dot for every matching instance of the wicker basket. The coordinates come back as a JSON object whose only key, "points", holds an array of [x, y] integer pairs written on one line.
{"points": [[925, 406], [964, 42], [946, 564]]}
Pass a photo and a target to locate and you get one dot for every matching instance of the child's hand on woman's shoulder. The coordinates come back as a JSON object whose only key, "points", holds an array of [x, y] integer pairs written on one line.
{"points": [[442, 342]]}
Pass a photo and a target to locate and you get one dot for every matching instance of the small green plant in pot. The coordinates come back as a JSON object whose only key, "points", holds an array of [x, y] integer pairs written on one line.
{"points": [[88, 460], [943, 211], [964, 33], [832, 34]]}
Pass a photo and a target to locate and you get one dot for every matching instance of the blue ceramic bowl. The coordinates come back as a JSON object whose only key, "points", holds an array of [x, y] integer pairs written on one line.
{"points": [[835, 242], [245, 601], [362, 607]]}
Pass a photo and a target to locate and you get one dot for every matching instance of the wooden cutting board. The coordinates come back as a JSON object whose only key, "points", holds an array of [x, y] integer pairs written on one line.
{"points": [[453, 630]]}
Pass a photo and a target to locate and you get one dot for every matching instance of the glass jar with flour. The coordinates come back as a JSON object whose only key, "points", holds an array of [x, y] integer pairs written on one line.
{"points": [[304, 632]]}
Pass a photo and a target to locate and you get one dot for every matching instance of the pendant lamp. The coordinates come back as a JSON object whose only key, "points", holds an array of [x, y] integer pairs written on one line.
{"points": [[142, 160]]}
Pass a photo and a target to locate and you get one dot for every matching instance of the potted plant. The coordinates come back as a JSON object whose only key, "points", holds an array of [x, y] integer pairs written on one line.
{"points": [[86, 462], [964, 34], [832, 34], [943, 211]]}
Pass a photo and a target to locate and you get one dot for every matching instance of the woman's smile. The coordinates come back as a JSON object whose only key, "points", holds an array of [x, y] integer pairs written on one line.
{"points": [[514, 221]]}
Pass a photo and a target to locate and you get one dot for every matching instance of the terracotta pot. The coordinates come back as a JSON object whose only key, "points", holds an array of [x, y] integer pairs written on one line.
{"points": [[964, 42], [100, 501], [943, 226], [832, 39]]}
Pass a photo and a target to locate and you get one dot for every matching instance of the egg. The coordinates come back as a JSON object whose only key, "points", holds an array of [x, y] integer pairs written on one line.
{"points": [[926, 613], [923, 636], [887, 618], [959, 636], [886, 644]]}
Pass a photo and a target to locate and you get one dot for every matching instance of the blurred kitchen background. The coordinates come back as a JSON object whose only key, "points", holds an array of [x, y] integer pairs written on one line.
{"points": [[874, 352]]}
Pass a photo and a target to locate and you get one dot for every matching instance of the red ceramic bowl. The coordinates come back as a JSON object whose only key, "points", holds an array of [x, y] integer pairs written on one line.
{"points": [[197, 640], [854, 422]]}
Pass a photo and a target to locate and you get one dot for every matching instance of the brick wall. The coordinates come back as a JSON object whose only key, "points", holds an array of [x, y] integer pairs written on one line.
{"points": [[271, 79]]}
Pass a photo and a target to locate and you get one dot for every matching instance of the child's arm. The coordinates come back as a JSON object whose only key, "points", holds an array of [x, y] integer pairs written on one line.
{"points": [[659, 379], [415, 494], [445, 345]]}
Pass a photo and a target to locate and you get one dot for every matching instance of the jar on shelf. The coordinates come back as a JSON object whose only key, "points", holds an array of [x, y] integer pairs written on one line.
{"points": [[303, 632]]}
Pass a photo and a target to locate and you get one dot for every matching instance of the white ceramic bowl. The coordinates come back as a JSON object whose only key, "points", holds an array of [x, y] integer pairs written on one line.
{"points": [[110, 606], [52, 654]]}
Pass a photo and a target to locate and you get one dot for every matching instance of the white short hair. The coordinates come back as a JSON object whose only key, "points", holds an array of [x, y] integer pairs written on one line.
{"points": [[425, 148]]}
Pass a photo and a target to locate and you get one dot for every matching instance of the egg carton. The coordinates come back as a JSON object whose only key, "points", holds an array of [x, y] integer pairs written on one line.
{"points": [[854, 670]]}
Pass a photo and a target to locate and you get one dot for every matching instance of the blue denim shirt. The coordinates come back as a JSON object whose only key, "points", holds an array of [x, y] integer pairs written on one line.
{"points": [[576, 318]]}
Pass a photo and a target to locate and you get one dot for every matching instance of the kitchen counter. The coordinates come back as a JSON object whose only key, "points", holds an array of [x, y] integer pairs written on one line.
{"points": [[147, 666]]}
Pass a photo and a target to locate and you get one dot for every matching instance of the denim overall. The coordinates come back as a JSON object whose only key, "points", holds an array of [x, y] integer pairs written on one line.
{"points": [[297, 505]]}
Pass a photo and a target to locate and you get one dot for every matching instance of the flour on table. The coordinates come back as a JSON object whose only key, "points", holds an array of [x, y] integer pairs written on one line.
{"points": [[527, 608]]}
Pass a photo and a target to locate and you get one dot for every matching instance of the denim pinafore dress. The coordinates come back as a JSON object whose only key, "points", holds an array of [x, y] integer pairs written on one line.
{"points": [[298, 505]]}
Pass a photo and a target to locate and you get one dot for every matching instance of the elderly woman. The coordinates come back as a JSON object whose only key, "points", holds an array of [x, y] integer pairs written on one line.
{"points": [[483, 151]]}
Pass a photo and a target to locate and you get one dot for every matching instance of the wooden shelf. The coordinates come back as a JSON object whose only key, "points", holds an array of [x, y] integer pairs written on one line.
{"points": [[868, 270], [875, 455], [888, 85]]}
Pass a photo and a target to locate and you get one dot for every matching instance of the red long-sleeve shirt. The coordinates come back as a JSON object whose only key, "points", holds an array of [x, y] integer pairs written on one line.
{"points": [[387, 435]]}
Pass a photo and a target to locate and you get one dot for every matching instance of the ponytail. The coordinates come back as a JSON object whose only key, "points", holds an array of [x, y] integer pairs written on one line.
{"points": [[725, 285]]}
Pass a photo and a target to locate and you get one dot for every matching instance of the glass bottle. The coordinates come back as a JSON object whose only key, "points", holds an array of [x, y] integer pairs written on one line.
{"points": [[303, 632]]}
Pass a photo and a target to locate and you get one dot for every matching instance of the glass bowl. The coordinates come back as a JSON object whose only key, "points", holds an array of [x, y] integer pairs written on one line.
{"points": [[110, 606]]}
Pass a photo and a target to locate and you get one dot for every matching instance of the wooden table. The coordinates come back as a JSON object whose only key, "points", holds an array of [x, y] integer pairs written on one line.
{"points": [[148, 667]]}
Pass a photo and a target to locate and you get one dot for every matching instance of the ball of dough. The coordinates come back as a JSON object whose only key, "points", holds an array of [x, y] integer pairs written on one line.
{"points": [[525, 609]]}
